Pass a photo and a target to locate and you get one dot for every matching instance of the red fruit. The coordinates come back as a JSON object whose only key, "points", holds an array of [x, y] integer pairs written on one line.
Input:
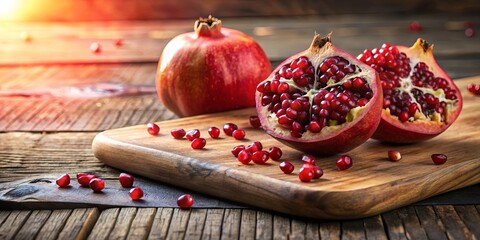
{"points": [[178, 133], [228, 128], [193, 134], [439, 159], [275, 153], [153, 129], [199, 143], [255, 121], [286, 167], [95, 48], [308, 159], [244, 157], [185, 201], [415, 27], [474, 88], [118, 42], [126, 180], [306, 173], [84, 179], [394, 155], [236, 150], [344, 162], [97, 184], [420, 99], [238, 134], [333, 106], [214, 132], [255, 146], [136, 193], [317, 172], [63, 181], [260, 157], [210, 70], [469, 32]]}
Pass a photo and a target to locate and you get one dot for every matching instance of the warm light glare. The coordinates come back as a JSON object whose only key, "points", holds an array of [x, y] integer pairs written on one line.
{"points": [[8, 8]]}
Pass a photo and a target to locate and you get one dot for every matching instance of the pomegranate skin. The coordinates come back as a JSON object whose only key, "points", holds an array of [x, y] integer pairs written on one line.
{"points": [[210, 70]]}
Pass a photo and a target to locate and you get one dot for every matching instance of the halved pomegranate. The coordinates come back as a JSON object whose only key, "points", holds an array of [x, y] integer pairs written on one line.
{"points": [[321, 101], [420, 99]]}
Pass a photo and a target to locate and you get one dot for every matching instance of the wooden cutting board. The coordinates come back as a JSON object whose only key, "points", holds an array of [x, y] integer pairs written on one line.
{"points": [[373, 185]]}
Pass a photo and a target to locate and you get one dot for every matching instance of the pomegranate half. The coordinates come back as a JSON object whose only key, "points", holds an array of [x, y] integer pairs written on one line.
{"points": [[420, 99], [321, 101], [213, 69]]}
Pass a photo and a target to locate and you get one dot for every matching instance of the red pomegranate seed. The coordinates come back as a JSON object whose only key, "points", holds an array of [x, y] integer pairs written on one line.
{"points": [[394, 155], [185, 201], [118, 42], [255, 121], [474, 88], [286, 167], [344, 162], [84, 179], [136, 193], [255, 146], [214, 132], [439, 159], [126, 180], [228, 128], [238, 134], [244, 157], [275, 153], [178, 133], [199, 143], [468, 24], [193, 134], [97, 184], [469, 32], [260, 157], [308, 159], [306, 173], [153, 129], [415, 27], [317, 172], [63, 181], [236, 150], [95, 47]]}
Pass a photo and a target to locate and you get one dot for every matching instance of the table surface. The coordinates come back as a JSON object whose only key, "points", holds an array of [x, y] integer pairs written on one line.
{"points": [[41, 133]]}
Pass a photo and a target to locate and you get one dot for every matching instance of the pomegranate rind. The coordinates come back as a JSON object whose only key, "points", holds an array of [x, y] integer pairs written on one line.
{"points": [[392, 130], [332, 139]]}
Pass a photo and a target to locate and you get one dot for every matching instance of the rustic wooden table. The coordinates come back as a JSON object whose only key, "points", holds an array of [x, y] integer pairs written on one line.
{"points": [[43, 129]]}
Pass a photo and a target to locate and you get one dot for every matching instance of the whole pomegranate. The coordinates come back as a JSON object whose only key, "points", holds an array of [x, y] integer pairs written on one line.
{"points": [[210, 70], [420, 99], [321, 101]]}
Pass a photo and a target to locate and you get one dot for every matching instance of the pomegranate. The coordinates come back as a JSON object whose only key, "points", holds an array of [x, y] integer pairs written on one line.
{"points": [[254, 121], [420, 99], [153, 129], [63, 181], [199, 143], [185, 201], [238, 134], [321, 101], [126, 180], [394, 155], [474, 88], [439, 158], [344, 162], [136, 193], [210, 70], [286, 167], [214, 132]]}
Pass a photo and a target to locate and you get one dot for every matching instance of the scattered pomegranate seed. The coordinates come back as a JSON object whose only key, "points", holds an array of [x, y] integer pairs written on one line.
{"points": [[153, 129], [244, 157], [344, 162], [228, 128], [255, 146], [84, 179], [185, 201], [469, 32], [214, 132], [308, 159], [193, 134], [63, 181], [238, 134], [199, 143], [317, 172], [118, 42], [306, 173], [126, 180], [275, 153], [415, 27], [136, 193], [255, 121], [439, 159], [178, 133], [474, 88], [286, 167], [260, 157], [97, 184], [95, 47], [236, 150], [468, 24], [394, 155]]}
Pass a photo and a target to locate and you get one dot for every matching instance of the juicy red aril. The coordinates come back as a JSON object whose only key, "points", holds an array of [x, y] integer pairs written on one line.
{"points": [[439, 159], [193, 134], [97, 184], [178, 133], [469, 32], [236, 150], [474, 88], [84, 179], [63, 181], [394, 155], [275, 153], [185, 201], [260, 157], [255, 146], [306, 173], [228, 128], [214, 132], [238, 134], [153, 129], [415, 27], [317, 172], [95, 47], [244, 157], [136, 193], [199, 143], [126, 180], [308, 159], [118, 42], [286, 167], [344, 162], [255, 121]]}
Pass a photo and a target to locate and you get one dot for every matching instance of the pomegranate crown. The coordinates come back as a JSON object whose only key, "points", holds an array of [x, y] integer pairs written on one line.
{"points": [[208, 27], [319, 42]]}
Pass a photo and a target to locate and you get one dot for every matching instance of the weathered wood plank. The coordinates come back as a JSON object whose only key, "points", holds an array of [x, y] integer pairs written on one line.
{"points": [[178, 224], [196, 224], [470, 217], [13, 223], [264, 228], [330, 230], [411, 224], [374, 228], [105, 224], [3, 215], [79, 224], [161, 223], [213, 224], [142, 223], [394, 225], [231, 224], [281, 227], [298, 229], [248, 224], [123, 223], [353, 229], [312, 231], [33, 224], [54, 224], [454, 226], [430, 222]]}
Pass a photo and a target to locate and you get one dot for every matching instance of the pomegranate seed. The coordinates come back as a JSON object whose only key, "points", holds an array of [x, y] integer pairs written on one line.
{"points": [[63, 181], [260, 157], [394, 155], [308, 159], [84, 179], [474, 88], [306, 173], [97, 184], [153, 129], [439, 159], [199, 143], [244, 157], [228, 128], [214, 132], [415, 27], [255, 146], [238, 134], [344, 162], [469, 32], [126, 180], [317, 172], [118, 42], [468, 24], [237, 150], [95, 47], [286, 167], [255, 121], [185, 201], [275, 153], [178, 133], [193, 134], [136, 193]]}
